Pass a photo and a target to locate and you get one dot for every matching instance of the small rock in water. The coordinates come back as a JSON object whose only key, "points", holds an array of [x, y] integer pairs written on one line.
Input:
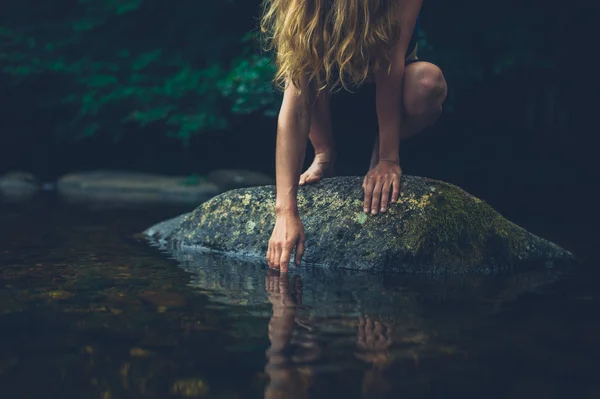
{"points": [[434, 228], [133, 187], [18, 186]]}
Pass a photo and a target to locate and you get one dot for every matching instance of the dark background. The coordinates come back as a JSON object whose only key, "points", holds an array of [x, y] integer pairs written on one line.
{"points": [[519, 130]]}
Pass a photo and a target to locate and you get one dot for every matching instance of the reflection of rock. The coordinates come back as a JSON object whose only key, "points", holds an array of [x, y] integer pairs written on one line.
{"points": [[229, 179], [163, 299], [18, 185], [414, 319], [329, 293], [435, 228], [190, 388], [132, 187]]}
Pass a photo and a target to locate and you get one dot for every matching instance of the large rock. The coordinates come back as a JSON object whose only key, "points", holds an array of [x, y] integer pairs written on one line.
{"points": [[434, 228]]}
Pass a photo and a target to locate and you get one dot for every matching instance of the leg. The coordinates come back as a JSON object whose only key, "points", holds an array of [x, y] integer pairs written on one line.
{"points": [[424, 91], [321, 138]]}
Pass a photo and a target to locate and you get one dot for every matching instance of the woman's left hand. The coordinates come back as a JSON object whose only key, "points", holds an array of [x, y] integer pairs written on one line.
{"points": [[379, 183]]}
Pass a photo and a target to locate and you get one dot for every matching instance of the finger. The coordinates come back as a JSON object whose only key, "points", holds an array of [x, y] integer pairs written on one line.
{"points": [[284, 285], [298, 290], [395, 189], [273, 255], [385, 195], [378, 333], [269, 254], [361, 325], [268, 283], [369, 332], [368, 325], [376, 198], [277, 256], [368, 187], [297, 284], [377, 328], [284, 260], [360, 336], [302, 180], [361, 322], [299, 252]]}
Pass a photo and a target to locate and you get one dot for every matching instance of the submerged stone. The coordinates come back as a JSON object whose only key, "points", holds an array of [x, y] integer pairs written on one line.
{"points": [[113, 186], [435, 227], [18, 186]]}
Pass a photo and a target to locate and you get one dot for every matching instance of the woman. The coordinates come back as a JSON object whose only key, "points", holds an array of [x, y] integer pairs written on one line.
{"points": [[322, 45]]}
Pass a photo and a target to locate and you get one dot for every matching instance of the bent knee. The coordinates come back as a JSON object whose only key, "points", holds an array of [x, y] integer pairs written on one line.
{"points": [[425, 90]]}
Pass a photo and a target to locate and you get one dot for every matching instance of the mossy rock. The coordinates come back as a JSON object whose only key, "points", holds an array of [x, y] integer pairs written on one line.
{"points": [[435, 227]]}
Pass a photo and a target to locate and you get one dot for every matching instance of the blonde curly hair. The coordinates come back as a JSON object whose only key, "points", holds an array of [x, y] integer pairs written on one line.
{"points": [[329, 43]]}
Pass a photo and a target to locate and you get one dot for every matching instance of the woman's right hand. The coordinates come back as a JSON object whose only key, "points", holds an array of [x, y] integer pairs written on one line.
{"points": [[287, 235]]}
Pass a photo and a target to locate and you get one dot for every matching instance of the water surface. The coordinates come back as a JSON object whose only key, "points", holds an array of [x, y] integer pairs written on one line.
{"points": [[89, 310]]}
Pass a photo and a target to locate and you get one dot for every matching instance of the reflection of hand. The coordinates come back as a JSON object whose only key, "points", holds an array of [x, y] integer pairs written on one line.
{"points": [[373, 341], [284, 379], [281, 324], [278, 288]]}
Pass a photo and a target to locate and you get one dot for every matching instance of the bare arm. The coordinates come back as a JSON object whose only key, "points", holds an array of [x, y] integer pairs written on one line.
{"points": [[384, 178], [293, 126], [389, 86]]}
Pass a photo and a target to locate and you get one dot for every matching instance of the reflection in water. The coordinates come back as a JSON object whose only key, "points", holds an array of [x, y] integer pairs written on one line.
{"points": [[88, 312], [287, 377], [374, 342], [294, 349], [351, 334]]}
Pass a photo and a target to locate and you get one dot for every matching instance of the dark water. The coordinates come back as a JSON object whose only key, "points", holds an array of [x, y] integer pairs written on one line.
{"points": [[89, 310]]}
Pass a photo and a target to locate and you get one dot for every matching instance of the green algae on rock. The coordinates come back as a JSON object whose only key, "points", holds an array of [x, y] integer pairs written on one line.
{"points": [[435, 227]]}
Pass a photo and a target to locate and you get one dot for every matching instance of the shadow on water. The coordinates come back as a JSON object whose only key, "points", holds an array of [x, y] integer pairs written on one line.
{"points": [[89, 310]]}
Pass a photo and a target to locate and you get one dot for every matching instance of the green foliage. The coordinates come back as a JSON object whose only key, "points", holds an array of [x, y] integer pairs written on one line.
{"points": [[123, 64], [140, 63], [192, 180], [248, 86]]}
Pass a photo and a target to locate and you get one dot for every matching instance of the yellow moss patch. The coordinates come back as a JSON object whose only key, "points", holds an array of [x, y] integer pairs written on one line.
{"points": [[246, 199], [139, 352], [190, 388], [360, 217], [250, 225], [60, 294]]}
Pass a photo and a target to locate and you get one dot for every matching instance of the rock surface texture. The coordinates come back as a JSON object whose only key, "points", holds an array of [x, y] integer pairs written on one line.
{"points": [[434, 228]]}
